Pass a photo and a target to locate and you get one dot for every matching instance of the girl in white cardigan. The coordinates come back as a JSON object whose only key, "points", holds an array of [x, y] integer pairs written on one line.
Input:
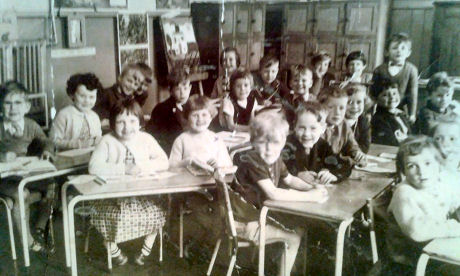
{"points": [[128, 151], [77, 125], [425, 202]]}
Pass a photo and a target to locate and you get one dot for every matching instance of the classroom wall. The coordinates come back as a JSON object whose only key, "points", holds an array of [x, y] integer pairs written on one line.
{"points": [[102, 64]]}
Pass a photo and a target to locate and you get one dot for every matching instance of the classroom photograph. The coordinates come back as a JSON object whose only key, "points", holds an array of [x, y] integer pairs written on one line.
{"points": [[230, 137]]}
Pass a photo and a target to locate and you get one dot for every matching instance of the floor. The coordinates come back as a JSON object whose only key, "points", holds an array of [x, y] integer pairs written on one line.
{"points": [[320, 260]]}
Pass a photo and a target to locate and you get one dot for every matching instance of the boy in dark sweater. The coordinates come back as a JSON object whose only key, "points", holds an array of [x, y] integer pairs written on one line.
{"points": [[389, 125], [166, 121]]}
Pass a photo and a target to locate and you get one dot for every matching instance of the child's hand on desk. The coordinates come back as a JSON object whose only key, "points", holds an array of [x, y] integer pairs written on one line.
{"points": [[46, 155], [132, 170], [325, 177], [308, 176], [361, 158], [319, 194]]}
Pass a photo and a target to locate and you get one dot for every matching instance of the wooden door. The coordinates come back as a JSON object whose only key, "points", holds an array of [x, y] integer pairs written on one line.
{"points": [[329, 19], [256, 52], [296, 19], [293, 51], [242, 20], [229, 19], [258, 20], [241, 46], [361, 18]]}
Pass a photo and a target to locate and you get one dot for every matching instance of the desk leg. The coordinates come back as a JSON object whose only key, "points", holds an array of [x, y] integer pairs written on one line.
{"points": [[65, 222], [421, 264], [375, 255], [262, 222], [24, 230], [340, 241], [72, 242]]}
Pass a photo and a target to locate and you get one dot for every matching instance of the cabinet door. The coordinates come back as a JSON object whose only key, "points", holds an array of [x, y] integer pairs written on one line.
{"points": [[258, 19], [255, 54], [329, 19], [296, 19], [293, 51], [367, 46], [227, 24], [361, 18], [242, 19], [242, 48], [335, 49]]}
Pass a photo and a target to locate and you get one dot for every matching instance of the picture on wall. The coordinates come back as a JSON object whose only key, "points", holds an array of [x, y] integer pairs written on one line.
{"points": [[133, 39], [180, 42], [133, 56], [132, 29]]}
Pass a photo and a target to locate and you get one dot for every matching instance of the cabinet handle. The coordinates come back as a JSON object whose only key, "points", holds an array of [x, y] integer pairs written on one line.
{"points": [[252, 54], [223, 22], [238, 21], [253, 21]]}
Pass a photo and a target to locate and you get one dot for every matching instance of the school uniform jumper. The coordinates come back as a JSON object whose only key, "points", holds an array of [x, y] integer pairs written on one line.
{"points": [[71, 125], [19, 144], [342, 141], [384, 125], [124, 219], [166, 123], [362, 131], [241, 115], [321, 156]]}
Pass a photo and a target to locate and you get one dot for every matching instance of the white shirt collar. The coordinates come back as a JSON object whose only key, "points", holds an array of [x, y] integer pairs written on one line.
{"points": [[14, 128]]}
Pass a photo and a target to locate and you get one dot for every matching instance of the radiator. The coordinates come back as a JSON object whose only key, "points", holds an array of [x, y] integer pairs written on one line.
{"points": [[25, 62]]}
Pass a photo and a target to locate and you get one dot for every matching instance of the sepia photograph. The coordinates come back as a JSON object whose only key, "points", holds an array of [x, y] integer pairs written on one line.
{"points": [[230, 137]]}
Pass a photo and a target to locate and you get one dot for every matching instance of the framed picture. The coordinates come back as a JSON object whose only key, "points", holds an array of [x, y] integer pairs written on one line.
{"points": [[133, 39], [172, 4], [76, 34], [180, 42]]}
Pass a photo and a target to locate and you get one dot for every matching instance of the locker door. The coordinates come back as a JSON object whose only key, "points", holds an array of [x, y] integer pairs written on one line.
{"points": [[329, 19], [361, 19]]}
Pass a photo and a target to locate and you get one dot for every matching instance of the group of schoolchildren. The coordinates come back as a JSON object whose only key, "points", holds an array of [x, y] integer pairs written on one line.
{"points": [[304, 135]]}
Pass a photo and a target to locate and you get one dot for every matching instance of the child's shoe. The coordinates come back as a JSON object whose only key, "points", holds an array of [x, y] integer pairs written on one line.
{"points": [[140, 259], [37, 247], [120, 259]]}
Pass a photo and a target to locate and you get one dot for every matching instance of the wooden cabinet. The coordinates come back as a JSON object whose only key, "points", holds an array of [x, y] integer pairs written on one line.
{"points": [[338, 27], [243, 27], [446, 39]]}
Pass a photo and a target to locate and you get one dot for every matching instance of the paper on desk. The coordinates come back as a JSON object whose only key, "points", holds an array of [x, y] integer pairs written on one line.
{"points": [[388, 155], [374, 168], [125, 178], [24, 165], [378, 159]]}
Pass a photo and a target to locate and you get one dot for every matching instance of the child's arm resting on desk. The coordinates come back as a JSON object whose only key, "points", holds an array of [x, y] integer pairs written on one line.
{"points": [[414, 221], [314, 195], [297, 183]]}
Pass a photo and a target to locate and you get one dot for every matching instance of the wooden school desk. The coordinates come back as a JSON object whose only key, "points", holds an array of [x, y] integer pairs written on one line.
{"points": [[345, 200], [33, 177], [180, 182]]}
